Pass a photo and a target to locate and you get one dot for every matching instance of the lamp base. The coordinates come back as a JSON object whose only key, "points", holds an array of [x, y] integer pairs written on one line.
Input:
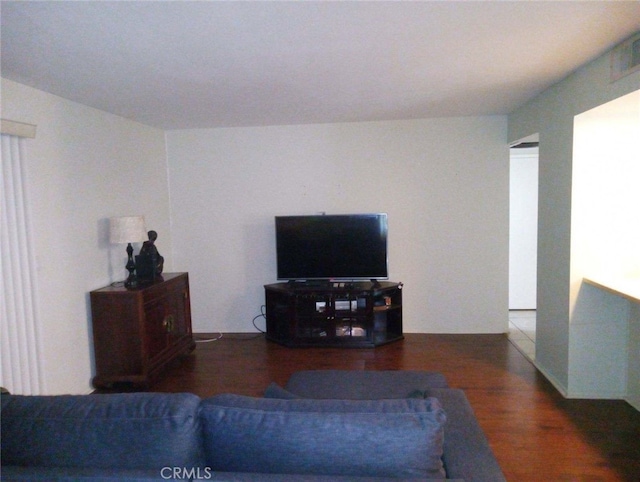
{"points": [[132, 280]]}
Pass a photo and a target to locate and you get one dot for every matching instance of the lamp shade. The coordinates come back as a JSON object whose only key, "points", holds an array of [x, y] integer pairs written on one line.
{"points": [[127, 229]]}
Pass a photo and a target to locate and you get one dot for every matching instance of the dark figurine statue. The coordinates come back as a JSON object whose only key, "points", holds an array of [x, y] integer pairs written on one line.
{"points": [[149, 249]]}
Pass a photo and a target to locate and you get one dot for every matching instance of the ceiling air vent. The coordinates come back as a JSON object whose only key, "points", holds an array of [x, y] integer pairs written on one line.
{"points": [[625, 58]]}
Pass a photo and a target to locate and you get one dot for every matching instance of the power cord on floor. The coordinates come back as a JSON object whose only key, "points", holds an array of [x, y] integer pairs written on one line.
{"points": [[261, 315], [207, 340]]}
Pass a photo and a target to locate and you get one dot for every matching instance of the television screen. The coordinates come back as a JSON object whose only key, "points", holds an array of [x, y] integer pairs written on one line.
{"points": [[327, 247]]}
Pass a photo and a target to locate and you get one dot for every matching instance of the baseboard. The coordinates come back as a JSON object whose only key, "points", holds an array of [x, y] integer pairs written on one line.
{"points": [[596, 395], [634, 402], [554, 381]]}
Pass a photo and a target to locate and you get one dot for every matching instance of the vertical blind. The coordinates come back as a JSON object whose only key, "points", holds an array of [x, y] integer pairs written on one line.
{"points": [[20, 367]]}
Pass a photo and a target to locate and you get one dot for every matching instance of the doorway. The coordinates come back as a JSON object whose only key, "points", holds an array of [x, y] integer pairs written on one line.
{"points": [[523, 244]]}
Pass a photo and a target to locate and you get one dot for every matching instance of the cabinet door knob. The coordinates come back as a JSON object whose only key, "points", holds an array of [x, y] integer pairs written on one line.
{"points": [[167, 323]]}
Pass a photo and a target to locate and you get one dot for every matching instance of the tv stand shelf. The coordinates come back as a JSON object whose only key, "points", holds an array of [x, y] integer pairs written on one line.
{"points": [[360, 314]]}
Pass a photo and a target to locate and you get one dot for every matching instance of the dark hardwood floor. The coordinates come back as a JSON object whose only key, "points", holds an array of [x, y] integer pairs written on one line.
{"points": [[536, 434]]}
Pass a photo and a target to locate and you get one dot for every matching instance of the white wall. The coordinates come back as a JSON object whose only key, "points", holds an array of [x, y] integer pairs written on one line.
{"points": [[605, 237], [605, 194], [443, 182], [551, 115], [83, 166]]}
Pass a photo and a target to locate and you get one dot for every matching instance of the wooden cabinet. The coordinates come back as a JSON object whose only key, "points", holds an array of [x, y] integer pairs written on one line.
{"points": [[362, 314], [137, 332]]}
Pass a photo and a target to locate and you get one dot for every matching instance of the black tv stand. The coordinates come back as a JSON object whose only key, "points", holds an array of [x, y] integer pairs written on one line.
{"points": [[361, 314]]}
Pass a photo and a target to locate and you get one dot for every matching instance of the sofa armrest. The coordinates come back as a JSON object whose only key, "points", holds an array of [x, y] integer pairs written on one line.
{"points": [[467, 453]]}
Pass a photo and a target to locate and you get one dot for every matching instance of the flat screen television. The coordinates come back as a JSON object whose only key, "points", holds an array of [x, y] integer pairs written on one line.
{"points": [[332, 247]]}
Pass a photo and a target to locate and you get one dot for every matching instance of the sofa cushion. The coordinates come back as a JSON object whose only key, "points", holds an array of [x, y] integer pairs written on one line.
{"points": [[127, 431], [385, 438], [362, 384]]}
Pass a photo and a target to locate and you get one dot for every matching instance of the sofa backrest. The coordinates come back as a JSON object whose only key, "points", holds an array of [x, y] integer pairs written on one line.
{"points": [[125, 431]]}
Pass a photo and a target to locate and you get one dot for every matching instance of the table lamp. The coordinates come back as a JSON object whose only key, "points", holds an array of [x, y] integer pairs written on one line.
{"points": [[128, 229]]}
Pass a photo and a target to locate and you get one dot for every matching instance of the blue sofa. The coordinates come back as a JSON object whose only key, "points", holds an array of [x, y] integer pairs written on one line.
{"points": [[323, 425]]}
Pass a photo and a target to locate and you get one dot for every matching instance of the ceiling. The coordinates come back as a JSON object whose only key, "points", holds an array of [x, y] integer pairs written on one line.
{"points": [[183, 64]]}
